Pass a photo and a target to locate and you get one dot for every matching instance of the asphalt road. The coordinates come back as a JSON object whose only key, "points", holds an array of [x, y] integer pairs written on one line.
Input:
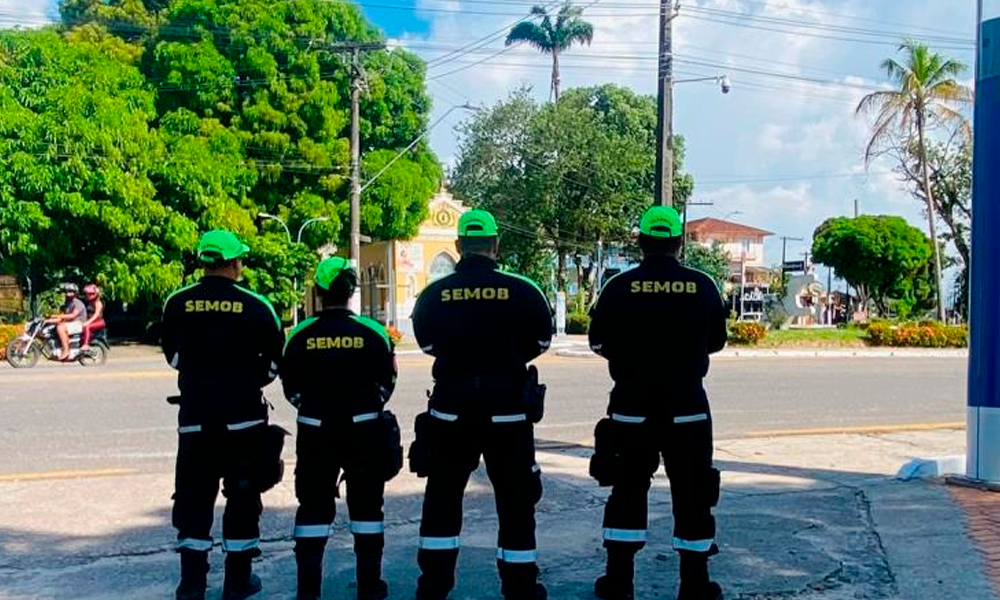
{"points": [[68, 418]]}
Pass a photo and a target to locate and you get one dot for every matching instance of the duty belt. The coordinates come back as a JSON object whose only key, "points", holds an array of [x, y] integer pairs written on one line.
{"points": [[479, 383]]}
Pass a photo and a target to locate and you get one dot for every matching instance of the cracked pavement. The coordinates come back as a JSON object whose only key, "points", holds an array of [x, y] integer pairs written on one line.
{"points": [[803, 517]]}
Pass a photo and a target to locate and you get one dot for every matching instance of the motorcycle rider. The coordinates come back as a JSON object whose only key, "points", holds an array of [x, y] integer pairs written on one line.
{"points": [[342, 427], [482, 325], [225, 341], [659, 315], [70, 320], [95, 315]]}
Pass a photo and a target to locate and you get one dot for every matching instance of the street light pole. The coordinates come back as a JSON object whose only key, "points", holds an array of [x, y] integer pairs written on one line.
{"points": [[288, 232]]}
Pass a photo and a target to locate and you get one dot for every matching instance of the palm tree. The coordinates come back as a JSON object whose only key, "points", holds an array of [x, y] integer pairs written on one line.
{"points": [[553, 38], [925, 96]]}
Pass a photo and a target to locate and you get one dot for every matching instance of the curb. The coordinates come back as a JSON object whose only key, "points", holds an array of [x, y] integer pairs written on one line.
{"points": [[807, 354]]}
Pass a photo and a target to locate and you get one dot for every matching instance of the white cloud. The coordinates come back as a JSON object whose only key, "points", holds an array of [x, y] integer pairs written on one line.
{"points": [[27, 13]]}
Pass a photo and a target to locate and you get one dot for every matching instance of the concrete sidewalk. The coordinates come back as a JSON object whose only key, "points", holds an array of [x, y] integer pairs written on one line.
{"points": [[810, 517]]}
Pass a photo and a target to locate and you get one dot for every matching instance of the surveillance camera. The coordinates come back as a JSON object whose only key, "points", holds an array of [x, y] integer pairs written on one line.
{"points": [[726, 85]]}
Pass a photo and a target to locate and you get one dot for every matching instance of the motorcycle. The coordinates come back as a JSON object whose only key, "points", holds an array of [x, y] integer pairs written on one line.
{"points": [[40, 340]]}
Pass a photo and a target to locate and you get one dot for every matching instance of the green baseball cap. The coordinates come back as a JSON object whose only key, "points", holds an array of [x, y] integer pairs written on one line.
{"points": [[661, 222], [220, 244], [330, 269], [477, 223]]}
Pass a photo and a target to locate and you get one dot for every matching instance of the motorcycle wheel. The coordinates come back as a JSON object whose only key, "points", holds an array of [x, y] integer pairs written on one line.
{"points": [[22, 355], [95, 357]]}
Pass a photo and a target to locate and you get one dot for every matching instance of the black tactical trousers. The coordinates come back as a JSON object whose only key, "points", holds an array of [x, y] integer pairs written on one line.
{"points": [[205, 456], [683, 437], [323, 451], [455, 444]]}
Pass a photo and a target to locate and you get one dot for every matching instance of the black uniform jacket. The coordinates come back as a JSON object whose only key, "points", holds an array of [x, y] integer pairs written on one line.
{"points": [[226, 342], [338, 365], [656, 325], [482, 322]]}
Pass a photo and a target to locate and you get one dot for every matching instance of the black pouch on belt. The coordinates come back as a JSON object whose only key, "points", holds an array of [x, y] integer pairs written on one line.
{"points": [[271, 468], [534, 396], [419, 456], [604, 464], [392, 445]]}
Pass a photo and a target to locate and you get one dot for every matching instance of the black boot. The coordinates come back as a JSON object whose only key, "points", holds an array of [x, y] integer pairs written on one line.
{"points": [[437, 573], [310, 572], [695, 583], [519, 581], [240, 582], [616, 583], [194, 575], [368, 567]]}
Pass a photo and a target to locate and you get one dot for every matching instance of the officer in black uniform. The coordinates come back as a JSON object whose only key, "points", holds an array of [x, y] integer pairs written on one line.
{"points": [[226, 343], [482, 325], [656, 325], [339, 371]]}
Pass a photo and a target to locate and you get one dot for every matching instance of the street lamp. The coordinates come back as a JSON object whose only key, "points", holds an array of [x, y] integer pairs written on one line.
{"points": [[725, 85], [288, 232]]}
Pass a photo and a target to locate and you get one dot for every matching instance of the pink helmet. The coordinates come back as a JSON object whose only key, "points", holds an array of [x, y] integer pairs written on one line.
{"points": [[91, 290]]}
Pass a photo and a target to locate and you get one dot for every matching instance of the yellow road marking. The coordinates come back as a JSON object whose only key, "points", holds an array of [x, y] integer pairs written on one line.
{"points": [[48, 475], [856, 430], [161, 374]]}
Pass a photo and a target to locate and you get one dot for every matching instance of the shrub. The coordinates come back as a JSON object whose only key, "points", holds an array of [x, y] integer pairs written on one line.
{"points": [[925, 334], [394, 334], [577, 323], [747, 333], [8, 333]]}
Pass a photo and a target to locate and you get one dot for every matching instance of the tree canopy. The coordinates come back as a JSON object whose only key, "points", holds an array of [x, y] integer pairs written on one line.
{"points": [[137, 124], [563, 178], [883, 257]]}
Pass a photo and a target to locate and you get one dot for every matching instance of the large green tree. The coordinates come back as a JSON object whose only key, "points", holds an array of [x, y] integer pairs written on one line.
{"points": [[553, 36], [926, 95], [883, 257], [78, 159], [567, 178]]}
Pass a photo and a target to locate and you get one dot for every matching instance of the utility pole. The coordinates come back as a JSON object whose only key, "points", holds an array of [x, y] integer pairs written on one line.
{"points": [[664, 188], [855, 208]]}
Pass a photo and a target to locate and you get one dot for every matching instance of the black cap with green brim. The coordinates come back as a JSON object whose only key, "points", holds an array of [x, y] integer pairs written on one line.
{"points": [[661, 222], [220, 245], [330, 269], [477, 223]]}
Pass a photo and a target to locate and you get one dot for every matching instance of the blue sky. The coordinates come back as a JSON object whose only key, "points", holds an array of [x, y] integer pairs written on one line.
{"points": [[777, 152]]}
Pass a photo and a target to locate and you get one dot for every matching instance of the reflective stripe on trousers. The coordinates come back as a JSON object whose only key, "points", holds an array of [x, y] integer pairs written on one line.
{"points": [[517, 556], [367, 527], [625, 535], [240, 545], [194, 544], [439, 543], [312, 531], [693, 545]]}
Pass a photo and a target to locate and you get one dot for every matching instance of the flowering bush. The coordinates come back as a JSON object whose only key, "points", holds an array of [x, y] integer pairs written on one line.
{"points": [[926, 334], [394, 334], [8, 333], [746, 333]]}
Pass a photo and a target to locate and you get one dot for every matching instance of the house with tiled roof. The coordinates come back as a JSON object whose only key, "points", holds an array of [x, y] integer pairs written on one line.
{"points": [[748, 265]]}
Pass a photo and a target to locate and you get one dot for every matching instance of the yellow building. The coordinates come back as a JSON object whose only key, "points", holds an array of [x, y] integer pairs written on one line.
{"points": [[394, 272]]}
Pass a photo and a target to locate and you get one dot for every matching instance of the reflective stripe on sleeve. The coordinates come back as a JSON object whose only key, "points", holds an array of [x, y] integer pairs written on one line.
{"points": [[367, 527], [244, 425], [312, 531], [596, 348], [365, 417], [175, 360], [427, 348], [693, 545], [517, 556], [510, 418], [535, 468], [627, 418], [309, 421], [189, 429], [443, 415], [194, 544], [625, 535], [691, 418], [439, 543], [544, 345], [240, 545]]}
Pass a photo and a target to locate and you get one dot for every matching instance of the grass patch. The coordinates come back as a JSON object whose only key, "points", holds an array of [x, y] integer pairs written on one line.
{"points": [[812, 338]]}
